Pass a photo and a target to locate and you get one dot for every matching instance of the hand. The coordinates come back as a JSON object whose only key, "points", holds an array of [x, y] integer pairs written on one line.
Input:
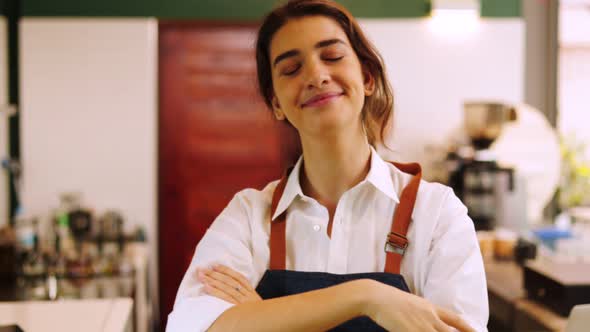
{"points": [[227, 284], [396, 310]]}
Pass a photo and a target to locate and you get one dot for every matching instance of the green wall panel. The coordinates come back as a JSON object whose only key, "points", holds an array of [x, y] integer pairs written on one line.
{"points": [[239, 9], [502, 8], [202, 9], [3, 10], [388, 8]]}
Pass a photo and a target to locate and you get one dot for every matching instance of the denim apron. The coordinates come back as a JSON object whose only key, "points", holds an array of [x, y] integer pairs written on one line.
{"points": [[277, 281]]}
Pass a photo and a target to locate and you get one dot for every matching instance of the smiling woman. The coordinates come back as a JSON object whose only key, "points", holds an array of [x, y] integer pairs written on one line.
{"points": [[348, 45], [318, 84], [345, 241]]}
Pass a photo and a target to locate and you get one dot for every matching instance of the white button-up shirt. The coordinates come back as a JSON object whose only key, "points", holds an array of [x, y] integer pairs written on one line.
{"points": [[442, 264]]}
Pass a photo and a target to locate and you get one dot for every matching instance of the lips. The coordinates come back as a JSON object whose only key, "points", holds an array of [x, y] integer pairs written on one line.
{"points": [[321, 99]]}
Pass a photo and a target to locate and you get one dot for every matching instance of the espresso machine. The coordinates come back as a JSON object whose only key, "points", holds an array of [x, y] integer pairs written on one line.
{"points": [[478, 180]]}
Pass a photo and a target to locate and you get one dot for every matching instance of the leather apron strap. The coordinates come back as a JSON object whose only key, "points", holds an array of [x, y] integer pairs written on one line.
{"points": [[397, 242], [395, 245]]}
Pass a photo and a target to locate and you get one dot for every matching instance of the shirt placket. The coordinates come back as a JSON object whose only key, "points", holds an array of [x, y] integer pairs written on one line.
{"points": [[337, 258]]}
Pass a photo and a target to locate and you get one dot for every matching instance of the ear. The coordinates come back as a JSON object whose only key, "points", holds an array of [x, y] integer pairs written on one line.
{"points": [[369, 82], [276, 108]]}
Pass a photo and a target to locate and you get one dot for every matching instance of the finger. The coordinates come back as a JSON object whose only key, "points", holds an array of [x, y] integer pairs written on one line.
{"points": [[243, 294], [440, 326], [454, 320], [234, 274], [251, 295], [255, 296], [219, 294], [229, 290], [231, 282], [247, 293]]}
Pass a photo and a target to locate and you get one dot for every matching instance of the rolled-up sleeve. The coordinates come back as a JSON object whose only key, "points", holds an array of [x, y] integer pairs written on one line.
{"points": [[456, 276], [227, 242]]}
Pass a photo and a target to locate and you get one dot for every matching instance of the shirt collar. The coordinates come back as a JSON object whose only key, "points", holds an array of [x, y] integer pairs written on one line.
{"points": [[292, 189], [379, 176]]}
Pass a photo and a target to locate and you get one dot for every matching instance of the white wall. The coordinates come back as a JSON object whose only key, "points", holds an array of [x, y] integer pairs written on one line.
{"points": [[574, 74], [88, 116], [4, 210], [574, 23], [432, 73]]}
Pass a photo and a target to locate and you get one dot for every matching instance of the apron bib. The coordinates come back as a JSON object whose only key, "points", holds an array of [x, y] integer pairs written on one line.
{"points": [[277, 281]]}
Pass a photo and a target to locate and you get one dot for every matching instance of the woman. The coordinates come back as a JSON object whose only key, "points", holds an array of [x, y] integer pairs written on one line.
{"points": [[345, 240]]}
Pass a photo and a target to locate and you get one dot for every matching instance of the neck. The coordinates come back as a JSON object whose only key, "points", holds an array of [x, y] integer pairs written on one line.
{"points": [[332, 166]]}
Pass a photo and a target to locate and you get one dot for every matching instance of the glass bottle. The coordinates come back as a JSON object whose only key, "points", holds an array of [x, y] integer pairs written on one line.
{"points": [[110, 287], [34, 273], [63, 232]]}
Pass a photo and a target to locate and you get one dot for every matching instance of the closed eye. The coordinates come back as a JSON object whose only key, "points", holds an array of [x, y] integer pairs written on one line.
{"points": [[291, 72], [333, 59]]}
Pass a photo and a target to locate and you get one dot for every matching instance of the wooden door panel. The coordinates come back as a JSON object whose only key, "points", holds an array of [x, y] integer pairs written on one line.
{"points": [[207, 120], [230, 183], [224, 149], [216, 137], [217, 61]]}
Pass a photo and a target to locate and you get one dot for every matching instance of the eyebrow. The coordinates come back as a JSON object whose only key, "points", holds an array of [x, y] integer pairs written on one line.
{"points": [[320, 44]]}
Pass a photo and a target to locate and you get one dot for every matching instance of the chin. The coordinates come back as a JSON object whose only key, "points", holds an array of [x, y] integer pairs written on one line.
{"points": [[332, 124]]}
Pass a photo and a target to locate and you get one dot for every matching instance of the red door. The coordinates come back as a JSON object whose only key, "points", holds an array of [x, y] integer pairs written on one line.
{"points": [[216, 137]]}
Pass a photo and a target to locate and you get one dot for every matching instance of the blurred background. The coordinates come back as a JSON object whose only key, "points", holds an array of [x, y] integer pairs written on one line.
{"points": [[126, 127]]}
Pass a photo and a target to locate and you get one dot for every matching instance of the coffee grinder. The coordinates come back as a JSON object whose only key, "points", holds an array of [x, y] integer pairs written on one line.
{"points": [[474, 173]]}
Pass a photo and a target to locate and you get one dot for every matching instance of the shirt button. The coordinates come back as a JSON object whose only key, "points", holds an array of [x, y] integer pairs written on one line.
{"points": [[316, 228]]}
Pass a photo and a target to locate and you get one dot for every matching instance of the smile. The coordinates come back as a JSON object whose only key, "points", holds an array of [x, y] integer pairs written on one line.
{"points": [[321, 99]]}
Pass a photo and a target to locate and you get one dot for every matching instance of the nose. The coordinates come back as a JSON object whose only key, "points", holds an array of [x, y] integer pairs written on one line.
{"points": [[316, 74]]}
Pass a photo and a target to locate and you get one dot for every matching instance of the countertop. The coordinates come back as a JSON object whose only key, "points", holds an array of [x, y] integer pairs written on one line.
{"points": [[509, 305], [104, 315]]}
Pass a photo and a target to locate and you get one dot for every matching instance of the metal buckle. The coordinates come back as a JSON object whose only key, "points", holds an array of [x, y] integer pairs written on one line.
{"points": [[396, 243]]}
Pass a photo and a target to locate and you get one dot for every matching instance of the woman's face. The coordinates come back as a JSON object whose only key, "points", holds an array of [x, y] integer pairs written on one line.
{"points": [[318, 80]]}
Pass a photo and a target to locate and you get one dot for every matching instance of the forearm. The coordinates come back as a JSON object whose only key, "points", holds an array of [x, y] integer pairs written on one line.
{"points": [[317, 310]]}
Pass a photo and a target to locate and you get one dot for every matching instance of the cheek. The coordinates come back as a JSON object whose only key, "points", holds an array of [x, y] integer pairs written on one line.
{"points": [[285, 91], [357, 86], [354, 77]]}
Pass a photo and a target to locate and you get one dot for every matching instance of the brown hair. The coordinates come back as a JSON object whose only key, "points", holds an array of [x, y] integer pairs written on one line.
{"points": [[378, 108]]}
